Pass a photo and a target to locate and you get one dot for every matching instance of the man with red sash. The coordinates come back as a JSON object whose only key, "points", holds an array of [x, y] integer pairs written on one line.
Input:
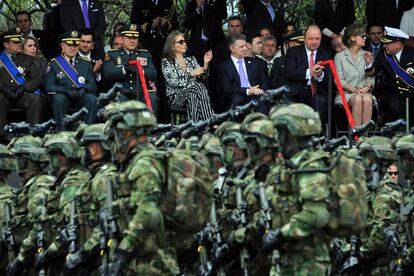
{"points": [[71, 80], [19, 81], [396, 63]]}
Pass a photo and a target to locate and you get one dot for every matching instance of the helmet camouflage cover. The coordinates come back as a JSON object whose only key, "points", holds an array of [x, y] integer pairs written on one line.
{"points": [[301, 120], [230, 132], [94, 133], [29, 147], [258, 126], [63, 142], [380, 146], [131, 115], [7, 160], [405, 143]]}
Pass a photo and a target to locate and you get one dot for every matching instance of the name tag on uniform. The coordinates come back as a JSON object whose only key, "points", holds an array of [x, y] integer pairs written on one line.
{"points": [[143, 61]]}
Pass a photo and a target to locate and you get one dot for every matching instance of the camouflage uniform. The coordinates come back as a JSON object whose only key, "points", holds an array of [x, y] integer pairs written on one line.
{"points": [[69, 179], [142, 248], [384, 200], [91, 198], [298, 199], [27, 200], [210, 147], [7, 165]]}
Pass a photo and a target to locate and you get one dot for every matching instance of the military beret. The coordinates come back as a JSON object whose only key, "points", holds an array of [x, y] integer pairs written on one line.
{"points": [[70, 38], [130, 30], [14, 34], [393, 34]]}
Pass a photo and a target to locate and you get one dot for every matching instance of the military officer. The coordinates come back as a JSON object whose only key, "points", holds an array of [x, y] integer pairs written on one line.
{"points": [[396, 63], [71, 79], [19, 80], [118, 69]]}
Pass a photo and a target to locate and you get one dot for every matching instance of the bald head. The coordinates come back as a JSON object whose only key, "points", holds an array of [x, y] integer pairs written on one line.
{"points": [[313, 37]]}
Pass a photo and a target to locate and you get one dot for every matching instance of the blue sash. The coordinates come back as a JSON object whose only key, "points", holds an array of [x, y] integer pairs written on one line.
{"points": [[404, 75], [69, 71], [13, 71]]}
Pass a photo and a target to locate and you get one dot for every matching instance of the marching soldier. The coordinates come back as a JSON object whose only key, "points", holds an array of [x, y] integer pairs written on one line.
{"points": [[71, 79], [19, 80], [396, 63], [118, 69]]}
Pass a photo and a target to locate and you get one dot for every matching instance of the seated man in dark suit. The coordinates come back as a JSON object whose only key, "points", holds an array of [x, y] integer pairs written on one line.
{"points": [[71, 78], [242, 78], [305, 76]]}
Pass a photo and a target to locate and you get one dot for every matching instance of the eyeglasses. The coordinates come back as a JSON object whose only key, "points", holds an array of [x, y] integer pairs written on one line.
{"points": [[392, 173], [364, 36], [181, 42]]}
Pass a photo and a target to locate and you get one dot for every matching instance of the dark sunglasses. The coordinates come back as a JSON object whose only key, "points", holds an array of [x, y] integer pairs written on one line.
{"points": [[392, 173], [364, 36], [181, 42]]}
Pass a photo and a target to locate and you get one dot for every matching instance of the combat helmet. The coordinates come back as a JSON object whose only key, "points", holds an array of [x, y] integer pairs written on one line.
{"points": [[259, 127], [405, 143], [301, 120], [94, 133], [63, 142], [131, 115], [7, 160], [29, 147], [210, 144], [229, 132], [379, 145]]}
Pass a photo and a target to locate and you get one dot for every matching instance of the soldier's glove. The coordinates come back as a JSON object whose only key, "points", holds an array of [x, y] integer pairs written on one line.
{"points": [[8, 91], [272, 239], [392, 241], [75, 259], [121, 259], [19, 92], [16, 267]]}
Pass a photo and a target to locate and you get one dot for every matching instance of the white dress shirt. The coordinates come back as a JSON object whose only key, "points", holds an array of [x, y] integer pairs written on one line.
{"points": [[308, 75]]}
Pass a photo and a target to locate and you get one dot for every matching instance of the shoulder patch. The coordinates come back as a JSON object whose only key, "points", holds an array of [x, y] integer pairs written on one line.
{"points": [[84, 58]]}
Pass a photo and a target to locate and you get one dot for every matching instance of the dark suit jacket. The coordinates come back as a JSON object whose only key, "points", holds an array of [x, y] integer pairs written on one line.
{"points": [[44, 43], [384, 12], [230, 81], [258, 17], [296, 64], [392, 84], [211, 18], [277, 73], [71, 18], [53, 27], [325, 17]]}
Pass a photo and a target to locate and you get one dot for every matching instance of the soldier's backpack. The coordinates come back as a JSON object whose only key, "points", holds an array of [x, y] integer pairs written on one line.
{"points": [[347, 204], [186, 196]]}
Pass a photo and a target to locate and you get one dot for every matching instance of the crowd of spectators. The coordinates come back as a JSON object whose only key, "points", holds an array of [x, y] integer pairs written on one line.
{"points": [[204, 69]]}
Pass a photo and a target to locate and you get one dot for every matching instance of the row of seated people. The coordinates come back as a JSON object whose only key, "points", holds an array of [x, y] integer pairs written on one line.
{"points": [[71, 77]]}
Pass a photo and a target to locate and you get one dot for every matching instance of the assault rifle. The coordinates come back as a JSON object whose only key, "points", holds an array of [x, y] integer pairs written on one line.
{"points": [[333, 144], [351, 264], [233, 113], [23, 128], [375, 177], [389, 129], [7, 234], [73, 227], [40, 234], [71, 122], [266, 219], [110, 96], [274, 96]]}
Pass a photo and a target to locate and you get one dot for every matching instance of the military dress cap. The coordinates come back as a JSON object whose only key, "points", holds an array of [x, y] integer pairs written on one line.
{"points": [[296, 36], [130, 30], [393, 34], [70, 38], [14, 34]]}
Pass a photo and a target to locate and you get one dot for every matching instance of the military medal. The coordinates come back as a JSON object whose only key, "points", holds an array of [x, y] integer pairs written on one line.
{"points": [[410, 70], [143, 61], [81, 79], [20, 69], [118, 60]]}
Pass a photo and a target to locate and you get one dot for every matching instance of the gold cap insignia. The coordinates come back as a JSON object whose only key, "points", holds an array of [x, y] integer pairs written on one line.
{"points": [[74, 34], [133, 27], [18, 30]]}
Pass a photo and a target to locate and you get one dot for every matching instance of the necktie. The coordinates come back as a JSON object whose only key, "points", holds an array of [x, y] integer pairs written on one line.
{"points": [[271, 11], [71, 61], [375, 50], [244, 82], [311, 64], [85, 13]]}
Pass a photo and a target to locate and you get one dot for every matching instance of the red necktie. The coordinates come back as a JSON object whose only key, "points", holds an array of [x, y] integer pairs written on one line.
{"points": [[311, 64]]}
